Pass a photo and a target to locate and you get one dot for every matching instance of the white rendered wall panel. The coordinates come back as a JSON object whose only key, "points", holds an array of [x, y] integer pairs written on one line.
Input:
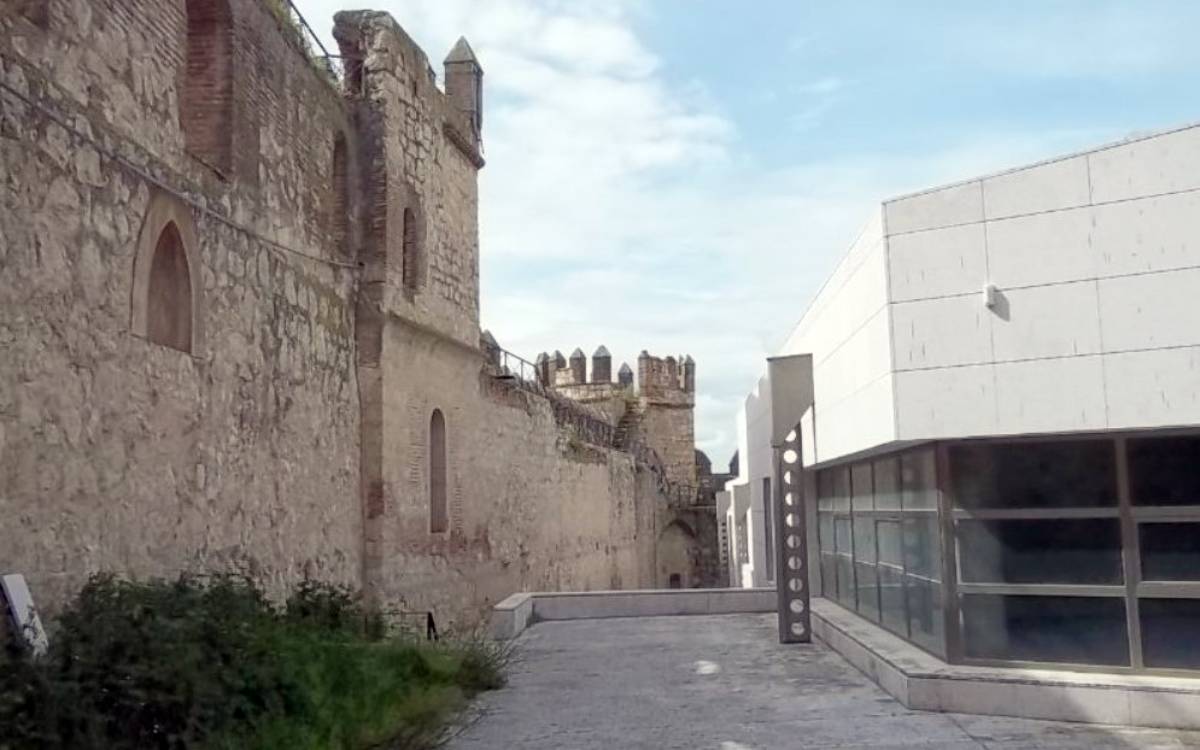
{"points": [[1149, 234], [1042, 187], [957, 204], [1153, 388], [1050, 395], [859, 360], [857, 423], [1046, 321], [808, 438], [847, 331], [1160, 164], [942, 332], [937, 262], [1041, 248], [946, 402], [855, 292], [1151, 311]]}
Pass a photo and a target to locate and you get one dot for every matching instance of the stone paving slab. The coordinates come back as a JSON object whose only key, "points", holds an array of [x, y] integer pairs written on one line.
{"points": [[724, 682]]}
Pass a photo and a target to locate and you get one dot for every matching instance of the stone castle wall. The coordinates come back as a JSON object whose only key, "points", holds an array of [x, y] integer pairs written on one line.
{"points": [[119, 453], [533, 507], [292, 440]]}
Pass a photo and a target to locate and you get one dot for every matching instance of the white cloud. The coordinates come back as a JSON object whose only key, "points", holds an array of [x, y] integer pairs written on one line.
{"points": [[619, 208]]}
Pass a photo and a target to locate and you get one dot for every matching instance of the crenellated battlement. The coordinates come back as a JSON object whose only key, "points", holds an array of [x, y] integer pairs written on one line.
{"points": [[657, 411], [667, 379], [658, 378]]}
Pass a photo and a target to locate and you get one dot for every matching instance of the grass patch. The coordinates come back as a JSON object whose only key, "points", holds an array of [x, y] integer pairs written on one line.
{"points": [[210, 663]]}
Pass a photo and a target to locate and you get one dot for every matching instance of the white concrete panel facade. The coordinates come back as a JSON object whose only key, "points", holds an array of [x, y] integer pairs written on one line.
{"points": [[1094, 258], [847, 330], [1092, 323]]}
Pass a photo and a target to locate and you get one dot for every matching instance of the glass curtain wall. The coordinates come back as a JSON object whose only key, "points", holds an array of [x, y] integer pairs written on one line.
{"points": [[879, 546], [1040, 567], [1081, 551]]}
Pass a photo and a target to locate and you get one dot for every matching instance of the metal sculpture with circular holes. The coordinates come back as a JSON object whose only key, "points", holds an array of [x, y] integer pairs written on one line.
{"points": [[791, 546]]}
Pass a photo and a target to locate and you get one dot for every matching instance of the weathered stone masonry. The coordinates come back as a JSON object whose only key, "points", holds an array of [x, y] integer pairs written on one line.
{"points": [[328, 234]]}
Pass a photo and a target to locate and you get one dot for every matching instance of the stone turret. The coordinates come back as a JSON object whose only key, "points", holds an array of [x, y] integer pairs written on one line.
{"points": [[578, 367], [601, 365], [689, 374], [464, 84], [625, 374], [559, 360], [541, 366]]}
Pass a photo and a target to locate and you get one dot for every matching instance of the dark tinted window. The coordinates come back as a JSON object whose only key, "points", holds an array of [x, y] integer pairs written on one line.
{"points": [[1170, 632], [889, 543], [1075, 630], [925, 618], [887, 484], [1165, 471], [922, 548], [1061, 474], [862, 486], [1041, 551], [891, 595], [1170, 552], [918, 479]]}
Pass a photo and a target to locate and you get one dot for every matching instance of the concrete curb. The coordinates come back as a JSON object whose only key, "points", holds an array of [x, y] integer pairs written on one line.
{"points": [[922, 681], [516, 613]]}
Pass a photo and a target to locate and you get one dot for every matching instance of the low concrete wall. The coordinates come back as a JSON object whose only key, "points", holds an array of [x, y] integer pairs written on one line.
{"points": [[511, 616], [922, 681]]}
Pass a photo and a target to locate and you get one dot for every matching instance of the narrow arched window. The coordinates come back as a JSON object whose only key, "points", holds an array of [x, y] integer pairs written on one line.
{"points": [[206, 93], [169, 293], [339, 224], [439, 516], [410, 260]]}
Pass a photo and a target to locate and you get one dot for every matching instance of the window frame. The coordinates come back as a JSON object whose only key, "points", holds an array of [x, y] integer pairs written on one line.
{"points": [[1130, 517]]}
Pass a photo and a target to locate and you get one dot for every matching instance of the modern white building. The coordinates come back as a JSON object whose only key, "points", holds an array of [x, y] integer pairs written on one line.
{"points": [[745, 505], [997, 400]]}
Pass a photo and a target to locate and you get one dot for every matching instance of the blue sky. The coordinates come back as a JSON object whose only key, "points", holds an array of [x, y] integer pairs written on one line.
{"points": [[681, 175]]}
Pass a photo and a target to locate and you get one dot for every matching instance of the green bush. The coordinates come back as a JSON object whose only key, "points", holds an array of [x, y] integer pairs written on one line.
{"points": [[211, 663]]}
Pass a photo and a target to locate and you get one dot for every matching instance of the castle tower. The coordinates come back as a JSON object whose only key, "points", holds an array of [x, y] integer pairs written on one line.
{"points": [[667, 414], [601, 365], [464, 84]]}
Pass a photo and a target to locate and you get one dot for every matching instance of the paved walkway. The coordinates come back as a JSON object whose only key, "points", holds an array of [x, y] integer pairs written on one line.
{"points": [[724, 682]]}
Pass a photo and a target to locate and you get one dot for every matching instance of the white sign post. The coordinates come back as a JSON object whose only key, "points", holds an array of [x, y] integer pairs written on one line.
{"points": [[23, 614]]}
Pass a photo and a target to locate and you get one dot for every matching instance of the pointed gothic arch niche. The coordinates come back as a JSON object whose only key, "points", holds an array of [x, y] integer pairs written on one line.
{"points": [[676, 550], [166, 277], [439, 511], [206, 84]]}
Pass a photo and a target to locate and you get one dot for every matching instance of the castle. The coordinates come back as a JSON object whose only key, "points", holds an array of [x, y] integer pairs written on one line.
{"points": [[240, 329]]}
